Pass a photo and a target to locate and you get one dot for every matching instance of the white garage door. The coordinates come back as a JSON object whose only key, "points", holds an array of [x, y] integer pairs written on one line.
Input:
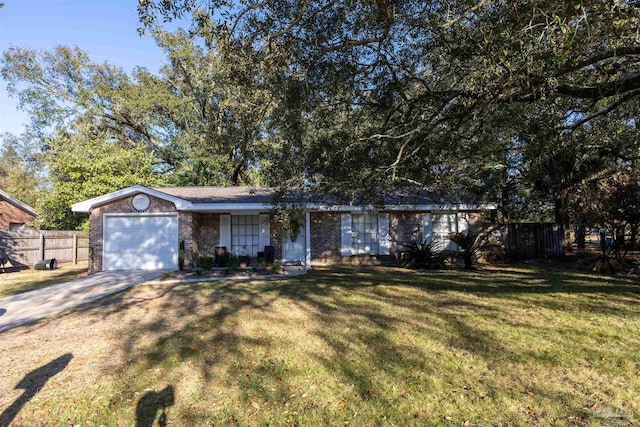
{"points": [[140, 242]]}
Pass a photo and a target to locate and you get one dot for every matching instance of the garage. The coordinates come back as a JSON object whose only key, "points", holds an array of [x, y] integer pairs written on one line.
{"points": [[147, 241]]}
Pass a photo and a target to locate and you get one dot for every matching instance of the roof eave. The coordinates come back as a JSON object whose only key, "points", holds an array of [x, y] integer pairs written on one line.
{"points": [[18, 203], [186, 205], [86, 205]]}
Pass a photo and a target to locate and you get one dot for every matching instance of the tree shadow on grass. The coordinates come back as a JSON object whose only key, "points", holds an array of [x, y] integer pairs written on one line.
{"points": [[32, 383], [345, 307]]}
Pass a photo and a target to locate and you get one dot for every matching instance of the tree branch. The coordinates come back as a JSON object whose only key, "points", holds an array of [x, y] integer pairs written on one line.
{"points": [[602, 112]]}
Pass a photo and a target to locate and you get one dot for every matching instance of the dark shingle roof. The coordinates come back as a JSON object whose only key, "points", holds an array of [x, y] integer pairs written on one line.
{"points": [[221, 194], [265, 195]]}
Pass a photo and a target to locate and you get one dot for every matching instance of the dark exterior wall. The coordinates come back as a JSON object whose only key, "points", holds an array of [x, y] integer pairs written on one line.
{"points": [[206, 233], [475, 219], [118, 206], [11, 213], [326, 237], [404, 227]]}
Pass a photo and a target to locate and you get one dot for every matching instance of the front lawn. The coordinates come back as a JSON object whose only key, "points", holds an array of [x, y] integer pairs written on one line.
{"points": [[29, 279], [350, 346]]}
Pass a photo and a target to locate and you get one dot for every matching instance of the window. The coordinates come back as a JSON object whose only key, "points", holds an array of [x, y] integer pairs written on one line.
{"points": [[245, 235], [364, 233], [16, 226]]}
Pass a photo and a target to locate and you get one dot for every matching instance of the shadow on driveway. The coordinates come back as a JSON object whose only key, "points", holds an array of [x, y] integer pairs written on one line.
{"points": [[31, 306]]}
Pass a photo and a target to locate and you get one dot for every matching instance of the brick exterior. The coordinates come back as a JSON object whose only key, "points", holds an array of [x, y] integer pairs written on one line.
{"points": [[201, 233], [206, 229], [186, 235], [10, 213], [326, 237], [403, 228], [475, 220], [119, 206]]}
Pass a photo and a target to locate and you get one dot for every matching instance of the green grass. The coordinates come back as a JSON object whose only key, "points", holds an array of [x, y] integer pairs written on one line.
{"points": [[361, 347], [21, 281]]}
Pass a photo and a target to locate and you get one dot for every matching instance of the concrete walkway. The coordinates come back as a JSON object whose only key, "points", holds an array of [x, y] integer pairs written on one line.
{"points": [[30, 306]]}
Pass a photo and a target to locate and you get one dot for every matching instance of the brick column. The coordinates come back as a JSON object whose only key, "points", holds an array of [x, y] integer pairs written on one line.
{"points": [[186, 235]]}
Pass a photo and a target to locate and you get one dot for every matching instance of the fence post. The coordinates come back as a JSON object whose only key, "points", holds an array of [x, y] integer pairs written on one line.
{"points": [[75, 248], [41, 247]]}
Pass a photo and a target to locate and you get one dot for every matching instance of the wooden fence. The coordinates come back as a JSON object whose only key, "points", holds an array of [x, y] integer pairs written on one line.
{"points": [[25, 247], [534, 241]]}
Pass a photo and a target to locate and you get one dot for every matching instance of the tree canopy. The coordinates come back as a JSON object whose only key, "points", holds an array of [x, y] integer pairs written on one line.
{"points": [[416, 83], [522, 103]]}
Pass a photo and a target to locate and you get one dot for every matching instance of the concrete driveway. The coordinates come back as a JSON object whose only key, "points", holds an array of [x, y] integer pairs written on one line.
{"points": [[30, 306]]}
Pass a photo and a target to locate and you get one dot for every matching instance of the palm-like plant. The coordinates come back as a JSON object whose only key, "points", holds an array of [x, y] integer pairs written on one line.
{"points": [[471, 246], [422, 254]]}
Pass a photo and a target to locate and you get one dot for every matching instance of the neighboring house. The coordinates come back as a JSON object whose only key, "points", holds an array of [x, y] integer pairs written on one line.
{"points": [[140, 227], [14, 214]]}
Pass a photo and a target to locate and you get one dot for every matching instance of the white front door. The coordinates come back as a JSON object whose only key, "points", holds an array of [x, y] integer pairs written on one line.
{"points": [[140, 242], [294, 250]]}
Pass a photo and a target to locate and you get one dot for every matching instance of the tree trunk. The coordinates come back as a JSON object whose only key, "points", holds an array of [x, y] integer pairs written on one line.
{"points": [[468, 262], [581, 233], [634, 236], [561, 210]]}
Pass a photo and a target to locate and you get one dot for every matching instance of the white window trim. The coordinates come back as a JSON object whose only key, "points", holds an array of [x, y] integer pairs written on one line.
{"points": [[259, 235]]}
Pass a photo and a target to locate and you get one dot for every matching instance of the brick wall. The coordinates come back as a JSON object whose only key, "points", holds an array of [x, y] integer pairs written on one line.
{"points": [[326, 237], [186, 234], [206, 234], [119, 206], [475, 219], [403, 228], [11, 213]]}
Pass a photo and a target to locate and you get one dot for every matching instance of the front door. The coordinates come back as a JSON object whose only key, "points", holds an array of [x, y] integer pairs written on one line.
{"points": [[294, 250]]}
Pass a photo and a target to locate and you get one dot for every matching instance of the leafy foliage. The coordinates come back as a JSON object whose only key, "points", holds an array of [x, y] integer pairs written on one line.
{"points": [[401, 93], [514, 102], [471, 246], [288, 217], [201, 121], [206, 262], [16, 176], [83, 168], [422, 254]]}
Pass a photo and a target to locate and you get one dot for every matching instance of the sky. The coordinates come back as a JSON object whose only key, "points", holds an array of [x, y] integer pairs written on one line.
{"points": [[106, 29]]}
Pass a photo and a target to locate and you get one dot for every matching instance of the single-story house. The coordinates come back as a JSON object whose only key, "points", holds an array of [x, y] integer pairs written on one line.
{"points": [[14, 214], [142, 228]]}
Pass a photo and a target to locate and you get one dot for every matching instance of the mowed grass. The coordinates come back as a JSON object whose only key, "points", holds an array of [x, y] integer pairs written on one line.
{"points": [[29, 279], [350, 346]]}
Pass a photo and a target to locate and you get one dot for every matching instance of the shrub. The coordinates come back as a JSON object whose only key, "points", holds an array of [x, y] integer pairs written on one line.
{"points": [[168, 275], [233, 262], [422, 255], [206, 262], [471, 246]]}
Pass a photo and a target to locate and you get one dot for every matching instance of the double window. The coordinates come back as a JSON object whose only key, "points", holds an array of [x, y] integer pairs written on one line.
{"points": [[364, 229], [245, 235]]}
